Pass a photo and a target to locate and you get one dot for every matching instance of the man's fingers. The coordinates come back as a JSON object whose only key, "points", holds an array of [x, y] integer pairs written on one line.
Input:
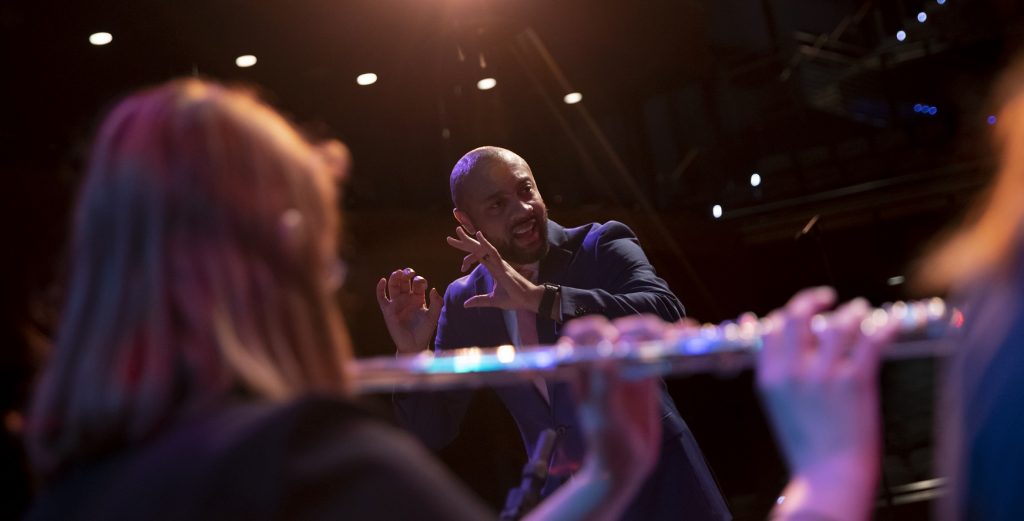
{"points": [[419, 285], [479, 301], [468, 261], [490, 253], [395, 284], [436, 303], [382, 297]]}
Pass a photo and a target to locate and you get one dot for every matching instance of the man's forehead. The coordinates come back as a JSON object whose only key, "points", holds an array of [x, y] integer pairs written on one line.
{"points": [[497, 177]]}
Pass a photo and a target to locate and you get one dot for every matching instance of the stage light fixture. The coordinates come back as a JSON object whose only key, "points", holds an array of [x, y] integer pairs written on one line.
{"points": [[918, 107], [573, 98], [367, 78], [486, 84], [896, 281], [922, 17], [100, 38], [901, 35], [940, 2], [716, 211], [245, 60], [755, 179], [991, 120], [933, 111]]}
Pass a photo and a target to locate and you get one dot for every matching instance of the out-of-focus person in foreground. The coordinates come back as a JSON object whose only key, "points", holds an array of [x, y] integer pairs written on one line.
{"points": [[201, 368]]}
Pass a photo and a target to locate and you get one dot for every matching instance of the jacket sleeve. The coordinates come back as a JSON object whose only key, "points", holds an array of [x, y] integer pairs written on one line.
{"points": [[436, 417], [626, 283]]}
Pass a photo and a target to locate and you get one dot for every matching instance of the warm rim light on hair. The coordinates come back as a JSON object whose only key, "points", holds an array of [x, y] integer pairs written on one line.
{"points": [[245, 60], [368, 78], [486, 84], [100, 38], [573, 98]]}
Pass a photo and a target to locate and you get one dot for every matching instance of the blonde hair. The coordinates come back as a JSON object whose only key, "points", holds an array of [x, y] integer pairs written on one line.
{"points": [[203, 242], [988, 240]]}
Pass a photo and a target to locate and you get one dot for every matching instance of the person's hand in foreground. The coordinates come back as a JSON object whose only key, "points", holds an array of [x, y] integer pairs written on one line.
{"points": [[621, 424], [817, 377]]}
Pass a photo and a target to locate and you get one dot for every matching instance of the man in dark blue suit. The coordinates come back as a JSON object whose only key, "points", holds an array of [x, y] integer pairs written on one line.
{"points": [[533, 275]]}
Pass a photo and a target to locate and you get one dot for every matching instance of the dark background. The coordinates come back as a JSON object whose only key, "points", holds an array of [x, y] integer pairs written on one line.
{"points": [[682, 101]]}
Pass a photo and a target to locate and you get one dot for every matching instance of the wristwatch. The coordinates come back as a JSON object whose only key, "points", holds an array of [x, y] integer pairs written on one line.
{"points": [[548, 300]]}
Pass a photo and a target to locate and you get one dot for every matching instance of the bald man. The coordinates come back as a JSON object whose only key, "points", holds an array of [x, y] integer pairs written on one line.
{"points": [[530, 276]]}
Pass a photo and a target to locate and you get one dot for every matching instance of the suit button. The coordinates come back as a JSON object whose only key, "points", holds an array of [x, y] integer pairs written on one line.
{"points": [[580, 311]]}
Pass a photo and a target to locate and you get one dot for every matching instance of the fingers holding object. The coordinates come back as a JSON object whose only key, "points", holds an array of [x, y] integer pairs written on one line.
{"points": [[796, 333], [836, 336], [640, 328]]}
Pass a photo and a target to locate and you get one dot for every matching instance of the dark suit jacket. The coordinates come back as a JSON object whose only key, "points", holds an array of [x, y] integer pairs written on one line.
{"points": [[601, 269]]}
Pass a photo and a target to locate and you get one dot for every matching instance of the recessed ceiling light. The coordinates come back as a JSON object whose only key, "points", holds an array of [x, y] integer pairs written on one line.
{"points": [[368, 78], [245, 60], [100, 38], [573, 98], [486, 84]]}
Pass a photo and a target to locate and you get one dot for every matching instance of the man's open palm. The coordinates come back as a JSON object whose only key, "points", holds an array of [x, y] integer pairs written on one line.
{"points": [[403, 302]]}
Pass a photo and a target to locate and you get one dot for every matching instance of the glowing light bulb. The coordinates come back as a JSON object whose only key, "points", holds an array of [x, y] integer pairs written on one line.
{"points": [[486, 84], [367, 78], [573, 98], [245, 60], [100, 38]]}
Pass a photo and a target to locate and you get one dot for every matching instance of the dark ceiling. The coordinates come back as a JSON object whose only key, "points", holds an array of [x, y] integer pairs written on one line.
{"points": [[682, 101]]}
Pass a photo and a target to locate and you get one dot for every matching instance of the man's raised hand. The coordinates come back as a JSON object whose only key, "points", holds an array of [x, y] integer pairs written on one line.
{"points": [[403, 302], [511, 290]]}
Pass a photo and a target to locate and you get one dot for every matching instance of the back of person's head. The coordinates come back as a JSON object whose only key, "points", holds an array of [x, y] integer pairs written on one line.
{"points": [[203, 244], [987, 242]]}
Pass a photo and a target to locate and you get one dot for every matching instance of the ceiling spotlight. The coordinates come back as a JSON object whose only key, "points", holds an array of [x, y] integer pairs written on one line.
{"points": [[367, 78], [755, 179], [716, 211], [573, 98], [922, 17], [100, 38], [486, 84], [245, 60], [901, 35]]}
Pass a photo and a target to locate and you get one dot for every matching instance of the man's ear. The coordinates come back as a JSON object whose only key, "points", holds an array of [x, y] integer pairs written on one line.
{"points": [[464, 220]]}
